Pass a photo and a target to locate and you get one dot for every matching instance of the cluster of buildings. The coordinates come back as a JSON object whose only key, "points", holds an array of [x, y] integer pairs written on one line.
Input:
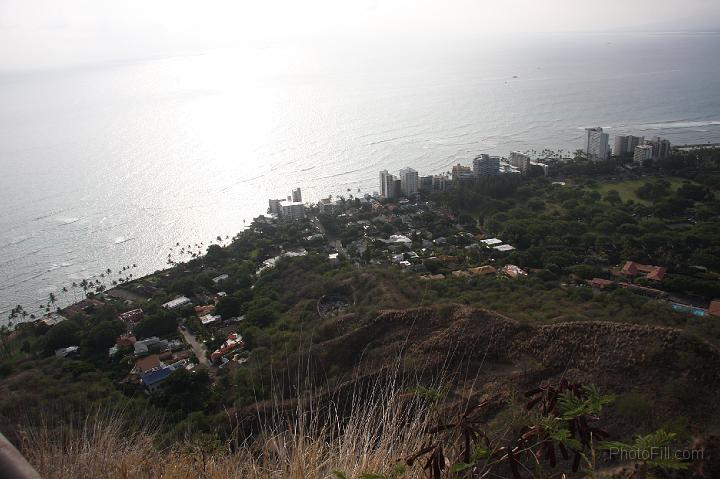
{"points": [[408, 183], [291, 208], [597, 146], [652, 276], [233, 342]]}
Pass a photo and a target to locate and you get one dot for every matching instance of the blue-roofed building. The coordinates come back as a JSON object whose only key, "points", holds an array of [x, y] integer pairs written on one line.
{"points": [[153, 380]]}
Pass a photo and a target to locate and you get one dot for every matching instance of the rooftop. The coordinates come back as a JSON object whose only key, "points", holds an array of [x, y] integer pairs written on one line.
{"points": [[179, 301], [491, 241]]}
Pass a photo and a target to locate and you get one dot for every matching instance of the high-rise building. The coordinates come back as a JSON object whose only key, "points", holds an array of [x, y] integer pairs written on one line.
{"points": [[633, 142], [596, 146], [486, 165], [274, 207], [409, 181], [439, 182], [426, 184], [462, 172], [625, 144], [397, 188], [642, 153], [519, 160], [387, 185], [297, 195], [660, 148], [292, 210], [620, 146]]}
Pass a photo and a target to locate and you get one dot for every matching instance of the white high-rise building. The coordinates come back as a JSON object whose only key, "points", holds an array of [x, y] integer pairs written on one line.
{"points": [[297, 195], [486, 165], [409, 181], [387, 184], [291, 210], [596, 146], [519, 160], [642, 153]]}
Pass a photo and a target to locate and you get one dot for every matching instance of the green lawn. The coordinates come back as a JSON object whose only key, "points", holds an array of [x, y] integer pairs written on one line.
{"points": [[627, 188]]}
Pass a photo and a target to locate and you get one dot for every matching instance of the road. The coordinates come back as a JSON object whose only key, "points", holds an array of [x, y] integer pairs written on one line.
{"points": [[198, 348], [332, 242]]}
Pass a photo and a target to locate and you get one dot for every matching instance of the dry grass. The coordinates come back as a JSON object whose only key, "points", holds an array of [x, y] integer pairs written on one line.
{"points": [[311, 442]]}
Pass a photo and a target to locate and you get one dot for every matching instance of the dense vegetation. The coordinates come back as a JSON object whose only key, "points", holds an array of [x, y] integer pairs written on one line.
{"points": [[575, 226]]}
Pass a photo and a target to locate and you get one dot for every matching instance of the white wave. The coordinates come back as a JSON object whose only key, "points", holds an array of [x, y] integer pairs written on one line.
{"points": [[122, 239], [67, 220], [678, 124]]}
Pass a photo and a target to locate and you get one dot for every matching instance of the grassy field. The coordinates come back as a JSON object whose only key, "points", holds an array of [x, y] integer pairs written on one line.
{"points": [[627, 188]]}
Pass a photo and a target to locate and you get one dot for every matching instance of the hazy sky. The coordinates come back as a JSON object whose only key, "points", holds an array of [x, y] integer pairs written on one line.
{"points": [[50, 33]]}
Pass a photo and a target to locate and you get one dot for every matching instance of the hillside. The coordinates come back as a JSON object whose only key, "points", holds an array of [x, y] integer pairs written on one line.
{"points": [[264, 356]]}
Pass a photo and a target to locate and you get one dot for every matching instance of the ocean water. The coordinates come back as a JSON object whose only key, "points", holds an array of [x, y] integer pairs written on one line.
{"points": [[112, 164]]}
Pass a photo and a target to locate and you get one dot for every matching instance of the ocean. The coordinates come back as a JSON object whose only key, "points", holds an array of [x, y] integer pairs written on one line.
{"points": [[114, 164]]}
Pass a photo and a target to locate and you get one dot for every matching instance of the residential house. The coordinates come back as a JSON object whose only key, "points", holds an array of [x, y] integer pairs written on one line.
{"points": [[132, 316], [204, 310], [125, 340], [482, 270], [209, 319], [491, 242], [176, 303], [52, 319], [69, 351], [233, 342], [513, 271], [153, 380], [150, 345], [147, 364]]}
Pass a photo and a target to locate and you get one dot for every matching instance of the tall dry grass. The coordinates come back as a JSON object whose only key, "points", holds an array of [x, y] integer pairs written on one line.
{"points": [[384, 424]]}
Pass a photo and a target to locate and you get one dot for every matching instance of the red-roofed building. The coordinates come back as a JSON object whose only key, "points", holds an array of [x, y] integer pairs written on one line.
{"points": [[482, 270], [714, 308], [234, 341], [148, 363], [630, 268], [653, 273], [125, 340], [204, 310], [600, 283], [657, 273]]}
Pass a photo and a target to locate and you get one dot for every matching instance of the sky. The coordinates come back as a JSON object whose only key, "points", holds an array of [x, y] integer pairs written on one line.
{"points": [[37, 34]]}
